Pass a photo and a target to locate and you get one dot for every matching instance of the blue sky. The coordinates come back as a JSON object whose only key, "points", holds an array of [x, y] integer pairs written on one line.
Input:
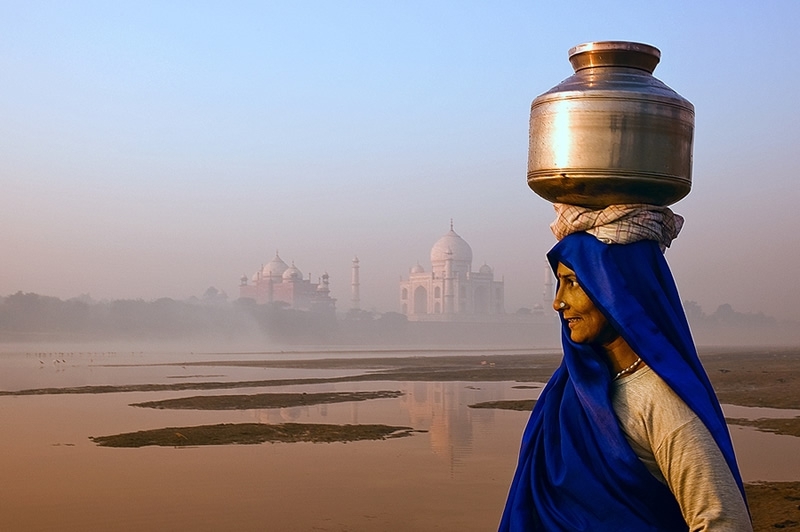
{"points": [[154, 149]]}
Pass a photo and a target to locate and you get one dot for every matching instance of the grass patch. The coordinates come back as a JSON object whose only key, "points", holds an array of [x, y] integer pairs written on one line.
{"points": [[522, 405], [251, 433], [264, 400]]}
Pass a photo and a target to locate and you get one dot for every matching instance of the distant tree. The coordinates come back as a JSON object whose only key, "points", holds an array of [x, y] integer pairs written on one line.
{"points": [[727, 316], [393, 318], [212, 295], [694, 313], [359, 314], [725, 313]]}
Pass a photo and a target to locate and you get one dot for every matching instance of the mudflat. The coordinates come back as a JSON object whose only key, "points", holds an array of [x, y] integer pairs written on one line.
{"points": [[752, 378]]}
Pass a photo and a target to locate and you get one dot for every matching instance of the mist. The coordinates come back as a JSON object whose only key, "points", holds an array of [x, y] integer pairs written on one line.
{"points": [[153, 151]]}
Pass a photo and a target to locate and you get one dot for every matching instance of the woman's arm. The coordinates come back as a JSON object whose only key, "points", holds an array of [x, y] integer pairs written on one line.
{"points": [[701, 481]]}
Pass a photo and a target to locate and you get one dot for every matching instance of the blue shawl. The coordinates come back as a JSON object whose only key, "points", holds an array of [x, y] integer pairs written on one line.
{"points": [[576, 470]]}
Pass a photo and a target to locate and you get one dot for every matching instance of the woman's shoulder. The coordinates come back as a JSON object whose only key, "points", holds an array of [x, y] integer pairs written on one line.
{"points": [[646, 398]]}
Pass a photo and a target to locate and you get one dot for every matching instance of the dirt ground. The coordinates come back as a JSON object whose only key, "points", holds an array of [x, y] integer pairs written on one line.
{"points": [[774, 505]]}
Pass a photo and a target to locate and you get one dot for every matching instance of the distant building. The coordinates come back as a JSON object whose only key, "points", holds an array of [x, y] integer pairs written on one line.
{"points": [[355, 301], [277, 282], [451, 291]]}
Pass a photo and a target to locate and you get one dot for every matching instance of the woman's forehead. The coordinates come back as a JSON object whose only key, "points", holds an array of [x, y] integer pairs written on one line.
{"points": [[563, 270]]}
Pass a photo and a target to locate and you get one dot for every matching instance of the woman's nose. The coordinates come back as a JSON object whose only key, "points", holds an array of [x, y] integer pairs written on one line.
{"points": [[558, 303]]}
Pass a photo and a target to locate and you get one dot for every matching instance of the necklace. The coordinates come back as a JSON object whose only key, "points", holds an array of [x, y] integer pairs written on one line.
{"points": [[629, 369]]}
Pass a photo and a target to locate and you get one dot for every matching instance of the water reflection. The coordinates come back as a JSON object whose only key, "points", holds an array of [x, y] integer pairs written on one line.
{"points": [[440, 408], [454, 476]]}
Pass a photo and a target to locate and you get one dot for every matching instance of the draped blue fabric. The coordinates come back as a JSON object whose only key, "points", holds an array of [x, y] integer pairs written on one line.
{"points": [[576, 471]]}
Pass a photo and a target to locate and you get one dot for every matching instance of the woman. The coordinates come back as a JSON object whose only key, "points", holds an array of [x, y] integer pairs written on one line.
{"points": [[628, 434]]}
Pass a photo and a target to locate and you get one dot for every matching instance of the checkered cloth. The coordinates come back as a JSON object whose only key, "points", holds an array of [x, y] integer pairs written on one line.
{"points": [[619, 224]]}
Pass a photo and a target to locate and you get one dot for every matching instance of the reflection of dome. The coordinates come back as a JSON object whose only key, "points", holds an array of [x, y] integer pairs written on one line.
{"points": [[485, 269], [451, 246], [418, 269], [275, 267], [292, 274], [291, 413]]}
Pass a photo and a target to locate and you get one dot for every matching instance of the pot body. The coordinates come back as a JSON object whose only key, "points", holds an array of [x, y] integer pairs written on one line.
{"points": [[611, 133]]}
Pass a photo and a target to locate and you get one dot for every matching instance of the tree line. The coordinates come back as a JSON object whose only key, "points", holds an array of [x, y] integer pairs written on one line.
{"points": [[30, 316]]}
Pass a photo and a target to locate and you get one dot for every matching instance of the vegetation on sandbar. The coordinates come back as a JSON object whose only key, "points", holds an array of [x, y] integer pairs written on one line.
{"points": [[521, 405], [264, 400], [252, 433]]}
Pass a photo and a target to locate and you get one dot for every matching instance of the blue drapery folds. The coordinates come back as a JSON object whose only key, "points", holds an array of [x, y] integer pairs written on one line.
{"points": [[576, 470]]}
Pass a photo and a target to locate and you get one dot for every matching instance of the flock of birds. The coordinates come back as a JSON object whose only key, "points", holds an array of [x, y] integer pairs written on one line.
{"points": [[57, 358]]}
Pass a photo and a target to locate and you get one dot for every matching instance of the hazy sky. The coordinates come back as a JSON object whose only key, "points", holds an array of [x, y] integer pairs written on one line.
{"points": [[154, 149]]}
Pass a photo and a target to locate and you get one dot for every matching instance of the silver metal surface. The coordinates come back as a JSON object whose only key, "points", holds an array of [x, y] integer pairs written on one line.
{"points": [[611, 133]]}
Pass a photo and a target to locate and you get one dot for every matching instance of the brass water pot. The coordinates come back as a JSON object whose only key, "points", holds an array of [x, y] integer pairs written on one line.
{"points": [[611, 133]]}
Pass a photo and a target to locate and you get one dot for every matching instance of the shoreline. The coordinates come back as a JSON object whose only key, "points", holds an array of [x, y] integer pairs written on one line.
{"points": [[755, 378]]}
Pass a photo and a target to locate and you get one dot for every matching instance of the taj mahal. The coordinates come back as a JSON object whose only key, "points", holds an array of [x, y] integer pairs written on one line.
{"points": [[451, 291], [448, 291]]}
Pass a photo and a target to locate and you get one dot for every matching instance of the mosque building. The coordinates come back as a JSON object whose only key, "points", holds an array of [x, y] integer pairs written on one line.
{"points": [[451, 291], [277, 282]]}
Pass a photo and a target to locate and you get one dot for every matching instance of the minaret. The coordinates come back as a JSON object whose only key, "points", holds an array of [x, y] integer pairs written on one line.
{"points": [[449, 308], [548, 294], [355, 301], [270, 288]]}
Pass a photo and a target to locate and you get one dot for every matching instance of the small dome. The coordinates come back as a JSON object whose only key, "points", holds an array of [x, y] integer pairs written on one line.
{"points": [[485, 269], [418, 269], [274, 268], [292, 274], [451, 246]]}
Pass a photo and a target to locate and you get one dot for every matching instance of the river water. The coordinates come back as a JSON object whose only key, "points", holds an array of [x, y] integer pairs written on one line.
{"points": [[452, 477]]}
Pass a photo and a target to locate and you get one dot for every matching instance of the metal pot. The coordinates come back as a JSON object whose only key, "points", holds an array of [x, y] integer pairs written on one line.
{"points": [[611, 133]]}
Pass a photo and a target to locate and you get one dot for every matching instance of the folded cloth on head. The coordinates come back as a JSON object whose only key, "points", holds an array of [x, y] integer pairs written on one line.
{"points": [[619, 224]]}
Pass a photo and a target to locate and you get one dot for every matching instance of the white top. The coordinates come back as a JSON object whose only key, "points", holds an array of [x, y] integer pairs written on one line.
{"points": [[677, 448]]}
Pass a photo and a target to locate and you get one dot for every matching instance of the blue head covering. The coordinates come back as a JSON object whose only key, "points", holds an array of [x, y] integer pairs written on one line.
{"points": [[576, 470]]}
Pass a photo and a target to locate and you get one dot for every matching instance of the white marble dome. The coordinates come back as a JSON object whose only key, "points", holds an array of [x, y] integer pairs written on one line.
{"points": [[275, 268], [451, 246], [418, 268], [292, 274]]}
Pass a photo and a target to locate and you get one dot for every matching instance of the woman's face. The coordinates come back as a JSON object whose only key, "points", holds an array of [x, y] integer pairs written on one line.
{"points": [[586, 323]]}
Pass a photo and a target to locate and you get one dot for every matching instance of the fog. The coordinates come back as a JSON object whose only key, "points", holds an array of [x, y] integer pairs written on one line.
{"points": [[152, 151]]}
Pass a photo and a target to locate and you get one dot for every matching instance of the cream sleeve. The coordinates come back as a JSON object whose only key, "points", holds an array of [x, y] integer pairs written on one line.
{"points": [[697, 474], [677, 448]]}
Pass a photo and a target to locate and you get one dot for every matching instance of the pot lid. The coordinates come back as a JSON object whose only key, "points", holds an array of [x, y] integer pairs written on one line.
{"points": [[614, 53]]}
